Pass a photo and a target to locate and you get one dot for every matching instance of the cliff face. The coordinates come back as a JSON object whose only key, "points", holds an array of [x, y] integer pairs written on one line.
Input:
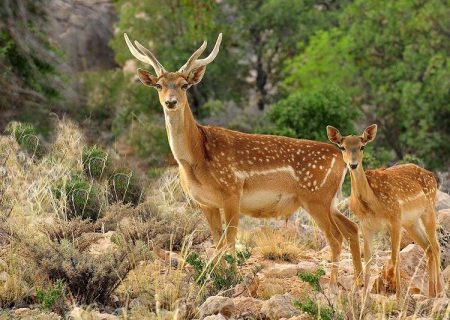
{"points": [[82, 29]]}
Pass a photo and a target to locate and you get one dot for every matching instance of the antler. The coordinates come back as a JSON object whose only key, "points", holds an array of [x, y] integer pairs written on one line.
{"points": [[193, 63], [144, 55]]}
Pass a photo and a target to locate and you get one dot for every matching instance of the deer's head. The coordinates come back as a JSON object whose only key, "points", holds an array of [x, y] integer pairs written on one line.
{"points": [[352, 146], [172, 86]]}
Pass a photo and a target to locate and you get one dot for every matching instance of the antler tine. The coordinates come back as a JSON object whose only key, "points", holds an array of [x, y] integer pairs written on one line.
{"points": [[148, 53], [194, 57], [194, 63], [147, 57]]}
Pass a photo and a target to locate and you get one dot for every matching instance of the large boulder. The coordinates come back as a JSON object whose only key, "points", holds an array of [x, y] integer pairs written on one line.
{"points": [[217, 305], [281, 270], [248, 308], [443, 218], [279, 306]]}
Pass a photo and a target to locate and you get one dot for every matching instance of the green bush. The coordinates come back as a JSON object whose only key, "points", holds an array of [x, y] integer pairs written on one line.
{"points": [[83, 198], [28, 139], [306, 114], [220, 276], [48, 298], [125, 187], [96, 162], [311, 306]]}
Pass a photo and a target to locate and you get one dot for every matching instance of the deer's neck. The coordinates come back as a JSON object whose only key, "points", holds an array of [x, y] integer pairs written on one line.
{"points": [[360, 186], [184, 135]]}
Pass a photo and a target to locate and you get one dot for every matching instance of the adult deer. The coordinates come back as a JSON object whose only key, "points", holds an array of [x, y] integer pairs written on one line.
{"points": [[400, 196], [258, 175]]}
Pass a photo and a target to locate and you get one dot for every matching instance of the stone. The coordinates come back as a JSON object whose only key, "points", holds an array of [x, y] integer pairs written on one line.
{"points": [[215, 317], [248, 306], [307, 266], [442, 200], [443, 233], [311, 236], [446, 274], [279, 270], [405, 240], [217, 304], [279, 306]]}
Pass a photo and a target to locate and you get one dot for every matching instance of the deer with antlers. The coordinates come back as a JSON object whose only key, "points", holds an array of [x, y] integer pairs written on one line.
{"points": [[259, 175], [400, 196]]}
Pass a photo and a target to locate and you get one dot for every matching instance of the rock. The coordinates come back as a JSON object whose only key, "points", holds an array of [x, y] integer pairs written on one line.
{"points": [[446, 274], [247, 288], [247, 306], [215, 317], [279, 270], [279, 306], [103, 244], [443, 233], [405, 240], [311, 236], [4, 276], [215, 305], [442, 200], [433, 308], [306, 266]]}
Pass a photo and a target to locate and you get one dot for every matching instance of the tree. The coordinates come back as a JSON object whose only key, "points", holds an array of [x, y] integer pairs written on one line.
{"points": [[306, 114], [392, 58], [173, 30], [267, 30]]}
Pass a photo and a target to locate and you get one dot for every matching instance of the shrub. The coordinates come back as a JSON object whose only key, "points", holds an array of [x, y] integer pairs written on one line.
{"points": [[96, 162], [220, 275], [311, 306], [306, 114], [125, 187], [48, 298], [28, 139], [83, 198], [89, 278]]}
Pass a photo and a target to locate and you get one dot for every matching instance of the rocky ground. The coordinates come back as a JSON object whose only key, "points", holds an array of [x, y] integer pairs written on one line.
{"points": [[155, 259]]}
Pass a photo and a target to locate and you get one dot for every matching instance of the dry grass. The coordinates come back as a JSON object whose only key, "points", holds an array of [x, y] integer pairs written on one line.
{"points": [[273, 244]]}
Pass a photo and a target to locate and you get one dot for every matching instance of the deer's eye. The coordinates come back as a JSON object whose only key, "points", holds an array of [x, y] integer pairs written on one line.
{"points": [[185, 86], [158, 86], [362, 148]]}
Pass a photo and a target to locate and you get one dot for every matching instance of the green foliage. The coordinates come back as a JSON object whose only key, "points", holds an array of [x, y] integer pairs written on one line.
{"points": [[28, 138], [220, 276], [125, 187], [311, 306], [96, 162], [306, 114], [48, 298], [83, 197]]}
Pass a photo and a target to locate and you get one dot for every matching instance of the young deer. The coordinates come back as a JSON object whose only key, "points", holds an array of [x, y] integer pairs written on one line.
{"points": [[400, 196], [259, 175]]}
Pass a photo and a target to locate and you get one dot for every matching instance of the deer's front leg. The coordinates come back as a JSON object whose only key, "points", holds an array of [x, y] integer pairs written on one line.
{"points": [[231, 212], [395, 256], [215, 224], [368, 258]]}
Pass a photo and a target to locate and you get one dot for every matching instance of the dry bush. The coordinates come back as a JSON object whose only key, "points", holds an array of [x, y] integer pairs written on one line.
{"points": [[277, 244]]}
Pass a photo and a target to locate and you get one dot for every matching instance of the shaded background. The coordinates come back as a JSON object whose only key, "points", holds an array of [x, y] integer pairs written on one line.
{"points": [[285, 67]]}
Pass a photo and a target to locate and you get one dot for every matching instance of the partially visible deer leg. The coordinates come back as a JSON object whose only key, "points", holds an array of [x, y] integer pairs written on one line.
{"points": [[349, 229], [368, 257], [215, 224], [231, 211], [395, 255], [417, 233], [322, 216], [429, 221]]}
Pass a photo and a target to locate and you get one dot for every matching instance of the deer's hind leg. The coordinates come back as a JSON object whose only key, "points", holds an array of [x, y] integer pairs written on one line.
{"points": [[429, 222], [322, 216], [418, 234], [349, 230]]}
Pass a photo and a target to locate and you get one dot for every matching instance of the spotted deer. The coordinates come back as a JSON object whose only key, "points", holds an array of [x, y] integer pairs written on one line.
{"points": [[400, 196], [258, 175]]}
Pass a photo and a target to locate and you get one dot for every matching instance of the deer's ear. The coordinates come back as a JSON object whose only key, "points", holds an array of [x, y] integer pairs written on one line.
{"points": [[369, 133], [146, 77], [334, 135], [196, 75]]}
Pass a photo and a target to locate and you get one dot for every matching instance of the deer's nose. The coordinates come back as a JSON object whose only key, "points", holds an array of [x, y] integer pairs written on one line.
{"points": [[171, 103], [353, 166]]}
